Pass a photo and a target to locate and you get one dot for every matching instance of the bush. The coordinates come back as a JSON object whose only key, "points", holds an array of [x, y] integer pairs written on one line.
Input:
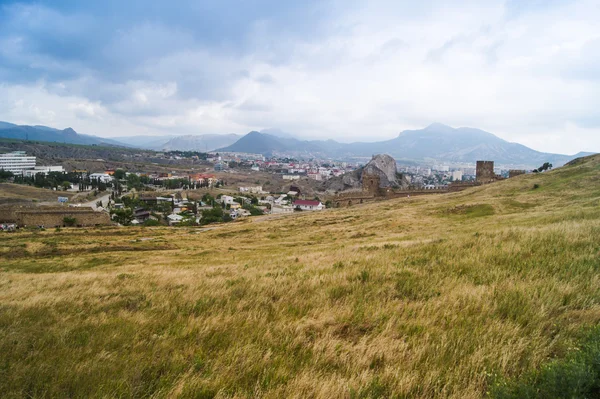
{"points": [[576, 376], [68, 221], [151, 222]]}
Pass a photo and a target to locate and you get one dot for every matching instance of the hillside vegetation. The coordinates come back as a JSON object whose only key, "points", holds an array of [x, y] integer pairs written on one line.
{"points": [[452, 296], [19, 193]]}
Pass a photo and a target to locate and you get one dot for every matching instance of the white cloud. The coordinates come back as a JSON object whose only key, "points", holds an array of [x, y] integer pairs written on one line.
{"points": [[529, 75]]}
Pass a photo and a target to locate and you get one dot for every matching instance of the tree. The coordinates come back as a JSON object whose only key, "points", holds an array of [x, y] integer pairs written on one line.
{"points": [[122, 216], [133, 181], [214, 215], [5, 174], [119, 174], [546, 166]]}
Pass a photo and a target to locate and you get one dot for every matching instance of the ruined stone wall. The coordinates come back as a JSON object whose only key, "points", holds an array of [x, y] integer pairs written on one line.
{"points": [[55, 217], [460, 186], [8, 214], [485, 172], [516, 172]]}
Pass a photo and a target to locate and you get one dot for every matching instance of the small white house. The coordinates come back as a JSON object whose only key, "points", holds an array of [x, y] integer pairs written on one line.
{"points": [[174, 219], [227, 200], [307, 205]]}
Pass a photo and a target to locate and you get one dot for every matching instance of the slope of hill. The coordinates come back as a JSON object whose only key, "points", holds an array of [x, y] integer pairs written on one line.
{"points": [[258, 143], [22, 194], [436, 141], [440, 296], [205, 142], [145, 142], [48, 134]]}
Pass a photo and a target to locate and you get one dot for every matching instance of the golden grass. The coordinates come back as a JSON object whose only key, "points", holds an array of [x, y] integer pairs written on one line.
{"points": [[21, 192], [421, 297]]}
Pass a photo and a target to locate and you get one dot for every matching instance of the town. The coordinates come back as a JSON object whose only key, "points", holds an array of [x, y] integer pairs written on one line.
{"points": [[225, 191]]}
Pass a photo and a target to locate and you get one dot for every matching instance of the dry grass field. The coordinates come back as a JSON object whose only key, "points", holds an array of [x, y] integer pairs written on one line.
{"points": [[444, 296], [20, 193]]}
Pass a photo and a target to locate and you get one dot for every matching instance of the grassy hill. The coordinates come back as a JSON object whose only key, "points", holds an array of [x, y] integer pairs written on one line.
{"points": [[442, 296], [19, 193]]}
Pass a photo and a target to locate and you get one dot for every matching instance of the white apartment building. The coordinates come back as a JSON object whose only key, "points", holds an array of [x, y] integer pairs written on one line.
{"points": [[16, 162], [456, 175], [42, 169]]}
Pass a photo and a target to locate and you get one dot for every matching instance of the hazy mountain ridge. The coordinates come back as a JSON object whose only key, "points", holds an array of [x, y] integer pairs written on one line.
{"points": [[48, 134], [437, 141], [205, 142]]}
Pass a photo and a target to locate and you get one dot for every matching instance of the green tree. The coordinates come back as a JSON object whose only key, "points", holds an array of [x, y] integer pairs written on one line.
{"points": [[546, 166], [69, 221], [5, 174], [119, 174], [122, 216]]}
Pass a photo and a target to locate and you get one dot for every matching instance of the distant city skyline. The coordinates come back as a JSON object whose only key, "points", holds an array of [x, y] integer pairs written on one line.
{"points": [[526, 71]]}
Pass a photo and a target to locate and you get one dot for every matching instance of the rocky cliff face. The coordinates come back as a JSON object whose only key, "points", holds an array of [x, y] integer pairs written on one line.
{"points": [[384, 166]]}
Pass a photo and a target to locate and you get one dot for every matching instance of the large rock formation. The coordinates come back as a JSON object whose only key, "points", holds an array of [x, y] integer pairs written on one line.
{"points": [[384, 166]]}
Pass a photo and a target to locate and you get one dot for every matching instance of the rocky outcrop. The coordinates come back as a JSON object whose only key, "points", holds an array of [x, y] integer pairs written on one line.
{"points": [[345, 182], [384, 166]]}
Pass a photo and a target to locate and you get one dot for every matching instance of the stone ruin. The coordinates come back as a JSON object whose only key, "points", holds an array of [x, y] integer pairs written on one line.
{"points": [[485, 173]]}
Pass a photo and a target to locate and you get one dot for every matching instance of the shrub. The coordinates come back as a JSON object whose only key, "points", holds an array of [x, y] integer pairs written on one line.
{"points": [[69, 221], [576, 376]]}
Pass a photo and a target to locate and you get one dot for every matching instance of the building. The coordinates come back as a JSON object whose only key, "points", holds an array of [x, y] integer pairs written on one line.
{"points": [[227, 200], [306, 205], [291, 177], [101, 177], [252, 190], [16, 162], [456, 175], [275, 209], [42, 169]]}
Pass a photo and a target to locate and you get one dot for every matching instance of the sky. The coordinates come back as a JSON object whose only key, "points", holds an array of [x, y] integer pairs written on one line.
{"points": [[525, 70]]}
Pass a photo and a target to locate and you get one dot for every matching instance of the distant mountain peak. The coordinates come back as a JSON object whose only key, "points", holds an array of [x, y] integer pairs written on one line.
{"points": [[438, 125], [70, 132]]}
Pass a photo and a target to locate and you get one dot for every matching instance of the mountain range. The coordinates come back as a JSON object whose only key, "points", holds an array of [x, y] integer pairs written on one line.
{"points": [[45, 133], [435, 142]]}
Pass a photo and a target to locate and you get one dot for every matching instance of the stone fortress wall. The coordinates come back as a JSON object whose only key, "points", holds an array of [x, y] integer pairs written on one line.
{"points": [[53, 216], [372, 189]]}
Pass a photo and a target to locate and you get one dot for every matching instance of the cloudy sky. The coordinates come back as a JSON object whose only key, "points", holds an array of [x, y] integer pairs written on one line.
{"points": [[526, 70]]}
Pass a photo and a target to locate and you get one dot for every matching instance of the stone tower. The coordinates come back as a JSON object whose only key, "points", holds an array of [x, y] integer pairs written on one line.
{"points": [[485, 172], [370, 183]]}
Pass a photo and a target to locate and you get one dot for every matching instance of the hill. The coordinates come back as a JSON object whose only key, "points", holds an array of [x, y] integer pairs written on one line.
{"points": [[437, 141], [259, 143], [98, 157], [205, 142], [446, 296], [23, 194], [48, 134]]}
